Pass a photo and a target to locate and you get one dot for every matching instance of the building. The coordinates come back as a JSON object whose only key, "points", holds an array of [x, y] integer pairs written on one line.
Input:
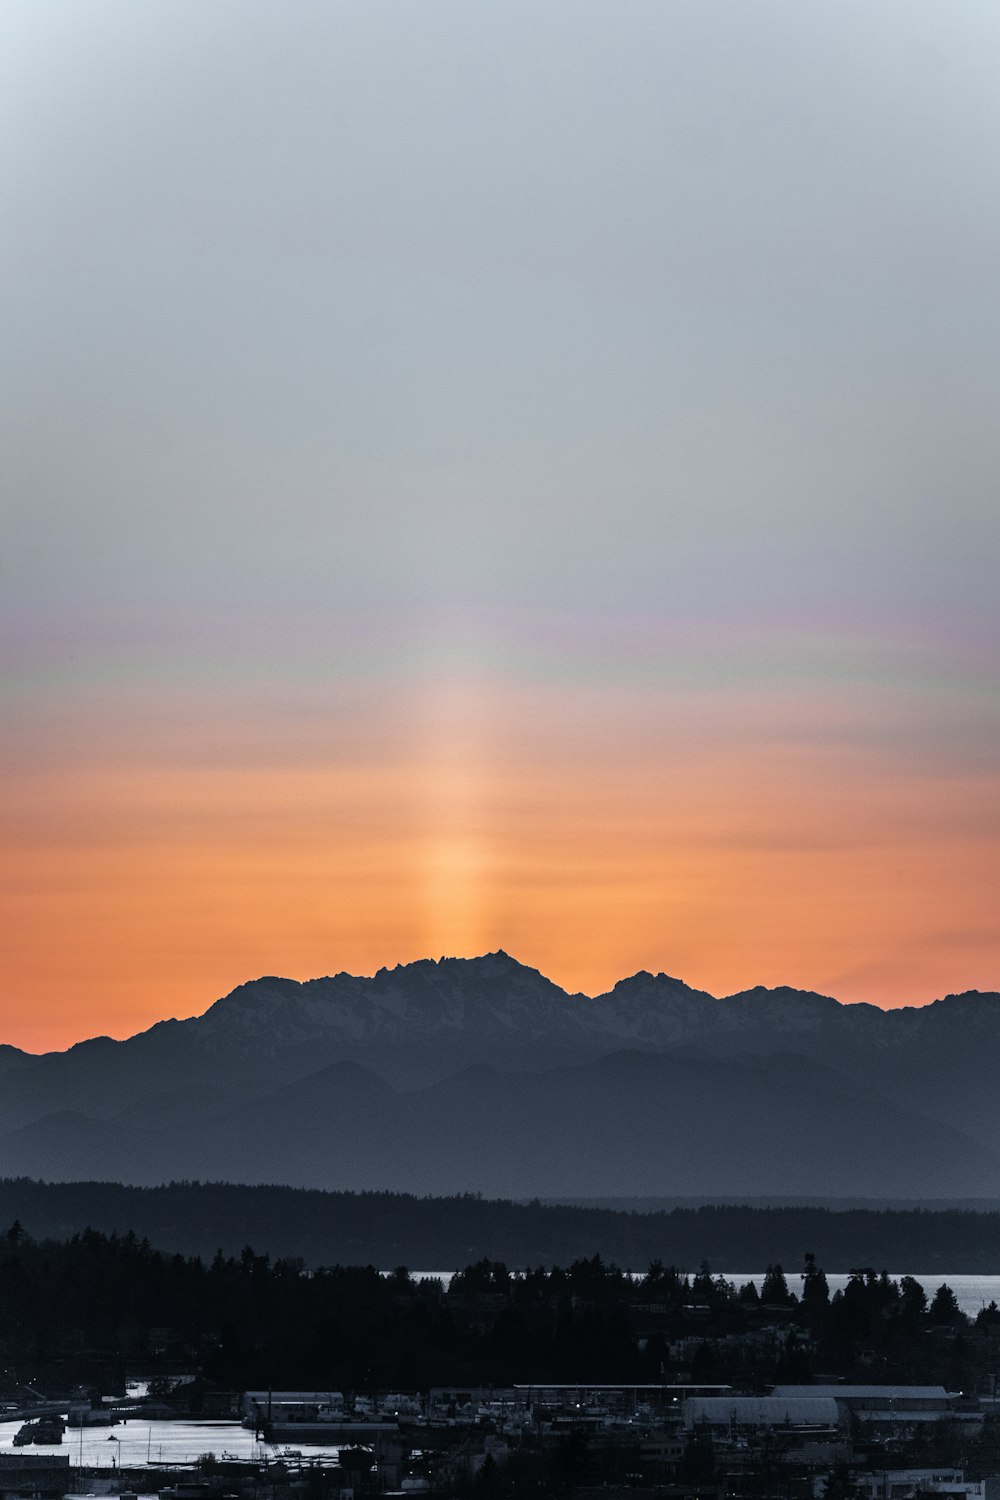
{"points": [[29, 1476], [732, 1416], [910, 1484], [893, 1410]]}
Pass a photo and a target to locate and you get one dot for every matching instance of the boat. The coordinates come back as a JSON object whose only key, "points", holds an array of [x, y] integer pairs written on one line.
{"points": [[46, 1431]]}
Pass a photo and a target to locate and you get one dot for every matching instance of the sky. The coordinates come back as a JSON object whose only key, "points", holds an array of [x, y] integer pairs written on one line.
{"points": [[491, 475]]}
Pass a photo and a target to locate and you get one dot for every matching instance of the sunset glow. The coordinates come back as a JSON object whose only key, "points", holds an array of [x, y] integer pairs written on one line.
{"points": [[729, 837], [480, 477]]}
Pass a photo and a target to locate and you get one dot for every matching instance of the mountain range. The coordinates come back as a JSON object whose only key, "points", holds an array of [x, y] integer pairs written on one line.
{"points": [[482, 1075]]}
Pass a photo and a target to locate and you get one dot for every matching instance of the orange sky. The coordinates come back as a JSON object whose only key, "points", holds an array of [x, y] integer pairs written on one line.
{"points": [[721, 837]]}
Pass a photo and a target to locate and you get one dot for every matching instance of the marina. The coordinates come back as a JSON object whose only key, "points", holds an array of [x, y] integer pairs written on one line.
{"points": [[135, 1443]]}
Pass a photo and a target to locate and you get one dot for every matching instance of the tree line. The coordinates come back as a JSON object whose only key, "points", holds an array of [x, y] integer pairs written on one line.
{"points": [[93, 1306], [384, 1229]]}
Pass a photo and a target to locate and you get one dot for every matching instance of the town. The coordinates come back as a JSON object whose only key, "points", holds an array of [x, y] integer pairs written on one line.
{"points": [[577, 1381]]}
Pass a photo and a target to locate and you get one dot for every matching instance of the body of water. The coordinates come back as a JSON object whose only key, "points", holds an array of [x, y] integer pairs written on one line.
{"points": [[972, 1292], [137, 1442]]}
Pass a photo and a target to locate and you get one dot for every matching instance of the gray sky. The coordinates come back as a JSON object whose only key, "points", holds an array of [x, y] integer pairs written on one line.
{"points": [[557, 301]]}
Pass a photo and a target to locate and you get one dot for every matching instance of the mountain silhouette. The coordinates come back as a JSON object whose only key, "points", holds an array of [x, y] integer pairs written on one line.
{"points": [[482, 1075]]}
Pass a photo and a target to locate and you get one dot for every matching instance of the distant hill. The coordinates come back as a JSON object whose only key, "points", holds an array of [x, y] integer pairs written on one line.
{"points": [[658, 1123], [482, 1075], [444, 1234]]}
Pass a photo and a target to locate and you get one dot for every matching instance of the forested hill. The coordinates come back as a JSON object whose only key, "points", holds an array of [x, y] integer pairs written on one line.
{"points": [[442, 1234]]}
